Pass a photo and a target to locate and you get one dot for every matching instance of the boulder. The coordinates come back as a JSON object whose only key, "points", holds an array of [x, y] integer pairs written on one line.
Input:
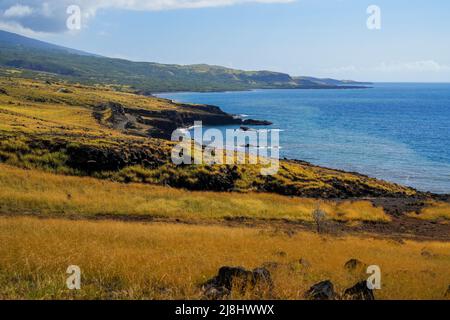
{"points": [[354, 264], [321, 291], [252, 122], [281, 254], [262, 276], [228, 275], [359, 291], [230, 278], [64, 90]]}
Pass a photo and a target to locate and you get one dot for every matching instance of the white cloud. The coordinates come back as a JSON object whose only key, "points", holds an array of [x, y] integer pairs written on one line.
{"points": [[415, 66], [18, 11], [344, 69], [421, 66], [420, 70], [17, 28], [50, 15], [171, 4]]}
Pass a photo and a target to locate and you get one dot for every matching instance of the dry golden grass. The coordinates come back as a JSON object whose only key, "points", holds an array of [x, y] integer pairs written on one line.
{"points": [[435, 211], [36, 107], [34, 192], [38, 92], [166, 261]]}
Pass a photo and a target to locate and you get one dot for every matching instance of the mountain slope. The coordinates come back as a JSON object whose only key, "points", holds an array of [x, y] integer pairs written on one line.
{"points": [[58, 62], [8, 39]]}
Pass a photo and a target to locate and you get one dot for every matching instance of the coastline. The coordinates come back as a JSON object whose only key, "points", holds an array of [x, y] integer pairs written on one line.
{"points": [[343, 87], [436, 195]]}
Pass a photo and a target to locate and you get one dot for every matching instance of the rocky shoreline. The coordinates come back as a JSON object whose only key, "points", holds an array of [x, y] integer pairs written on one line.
{"points": [[162, 123]]}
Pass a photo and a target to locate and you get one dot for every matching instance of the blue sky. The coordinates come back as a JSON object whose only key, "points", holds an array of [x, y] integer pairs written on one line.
{"points": [[325, 38]]}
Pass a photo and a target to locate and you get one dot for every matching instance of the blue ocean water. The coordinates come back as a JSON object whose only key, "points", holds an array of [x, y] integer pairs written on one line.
{"points": [[397, 132]]}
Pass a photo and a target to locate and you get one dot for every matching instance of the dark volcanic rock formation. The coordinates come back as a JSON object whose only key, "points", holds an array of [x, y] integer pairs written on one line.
{"points": [[251, 122], [161, 123], [230, 278], [359, 291], [321, 291], [89, 158]]}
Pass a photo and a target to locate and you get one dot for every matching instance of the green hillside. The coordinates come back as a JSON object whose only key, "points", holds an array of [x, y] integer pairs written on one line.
{"points": [[37, 59]]}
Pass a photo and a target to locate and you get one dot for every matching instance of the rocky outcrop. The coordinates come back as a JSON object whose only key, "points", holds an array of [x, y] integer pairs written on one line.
{"points": [[325, 291], [359, 291], [162, 123], [321, 291], [237, 278], [251, 122]]}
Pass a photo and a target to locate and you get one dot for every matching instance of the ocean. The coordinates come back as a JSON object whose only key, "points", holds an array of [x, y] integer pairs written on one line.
{"points": [[399, 132]]}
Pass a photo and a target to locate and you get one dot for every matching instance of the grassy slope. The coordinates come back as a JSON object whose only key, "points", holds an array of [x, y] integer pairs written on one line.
{"points": [[40, 127], [48, 195], [52, 62], [34, 59], [45, 129]]}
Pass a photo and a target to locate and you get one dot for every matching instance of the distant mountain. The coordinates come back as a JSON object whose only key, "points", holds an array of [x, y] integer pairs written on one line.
{"points": [[40, 59], [11, 40], [330, 82]]}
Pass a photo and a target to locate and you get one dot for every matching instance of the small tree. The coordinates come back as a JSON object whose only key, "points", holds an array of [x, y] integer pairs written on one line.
{"points": [[319, 217]]}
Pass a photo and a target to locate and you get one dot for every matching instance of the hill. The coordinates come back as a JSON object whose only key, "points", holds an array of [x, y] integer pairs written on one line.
{"points": [[51, 131], [74, 171], [37, 59], [72, 129]]}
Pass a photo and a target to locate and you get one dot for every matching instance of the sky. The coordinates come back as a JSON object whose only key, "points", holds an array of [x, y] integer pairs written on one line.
{"points": [[322, 38]]}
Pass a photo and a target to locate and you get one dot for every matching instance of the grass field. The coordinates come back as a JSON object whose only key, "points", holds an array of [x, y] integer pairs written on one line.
{"points": [[167, 261], [67, 176], [45, 194]]}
